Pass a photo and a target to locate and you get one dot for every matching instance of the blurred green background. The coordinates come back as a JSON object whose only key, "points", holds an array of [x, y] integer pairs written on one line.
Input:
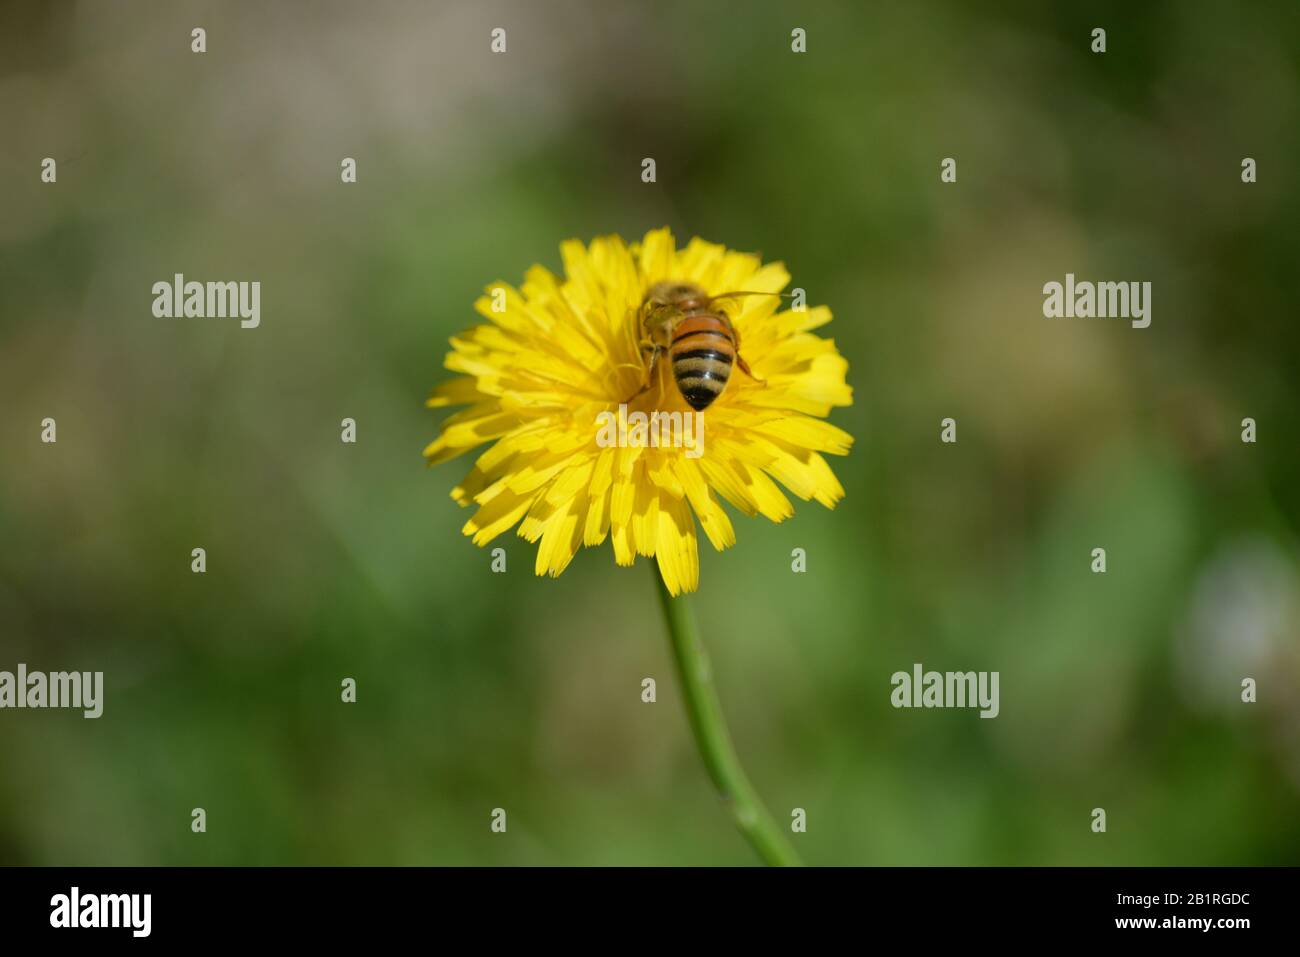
{"points": [[478, 690]]}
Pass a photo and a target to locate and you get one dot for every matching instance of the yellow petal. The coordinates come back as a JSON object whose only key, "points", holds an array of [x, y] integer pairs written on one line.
{"points": [[645, 518], [713, 519], [496, 517], [809, 433], [658, 256], [677, 552], [596, 526], [468, 434], [561, 539], [763, 491], [462, 390]]}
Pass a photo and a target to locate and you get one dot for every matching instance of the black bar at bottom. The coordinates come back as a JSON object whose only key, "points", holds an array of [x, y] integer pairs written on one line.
{"points": [[460, 906]]}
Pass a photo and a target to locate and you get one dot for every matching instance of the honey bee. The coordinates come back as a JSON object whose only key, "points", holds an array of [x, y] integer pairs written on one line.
{"points": [[681, 319]]}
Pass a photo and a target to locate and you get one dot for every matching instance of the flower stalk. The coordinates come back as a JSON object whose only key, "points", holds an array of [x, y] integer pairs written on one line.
{"points": [[709, 727]]}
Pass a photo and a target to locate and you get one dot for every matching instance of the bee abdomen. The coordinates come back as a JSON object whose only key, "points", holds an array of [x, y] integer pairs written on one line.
{"points": [[701, 375], [702, 353], [700, 391]]}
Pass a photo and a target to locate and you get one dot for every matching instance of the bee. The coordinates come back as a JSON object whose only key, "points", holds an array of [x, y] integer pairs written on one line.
{"points": [[681, 319]]}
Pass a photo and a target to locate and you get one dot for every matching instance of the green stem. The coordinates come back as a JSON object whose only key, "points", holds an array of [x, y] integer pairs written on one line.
{"points": [[711, 735]]}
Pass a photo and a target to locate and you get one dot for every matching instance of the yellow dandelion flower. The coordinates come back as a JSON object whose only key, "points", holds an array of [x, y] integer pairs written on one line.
{"points": [[558, 356]]}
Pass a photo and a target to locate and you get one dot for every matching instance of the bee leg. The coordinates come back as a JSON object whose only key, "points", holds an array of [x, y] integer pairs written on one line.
{"points": [[740, 360], [744, 367], [650, 374]]}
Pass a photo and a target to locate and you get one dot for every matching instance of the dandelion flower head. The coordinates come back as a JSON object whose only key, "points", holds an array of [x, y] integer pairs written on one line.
{"points": [[557, 352]]}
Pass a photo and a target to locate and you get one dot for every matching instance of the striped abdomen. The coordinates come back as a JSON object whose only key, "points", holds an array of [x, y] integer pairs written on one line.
{"points": [[702, 353]]}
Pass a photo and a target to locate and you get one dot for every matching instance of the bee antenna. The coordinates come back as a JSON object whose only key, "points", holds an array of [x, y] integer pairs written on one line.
{"points": [[729, 295]]}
